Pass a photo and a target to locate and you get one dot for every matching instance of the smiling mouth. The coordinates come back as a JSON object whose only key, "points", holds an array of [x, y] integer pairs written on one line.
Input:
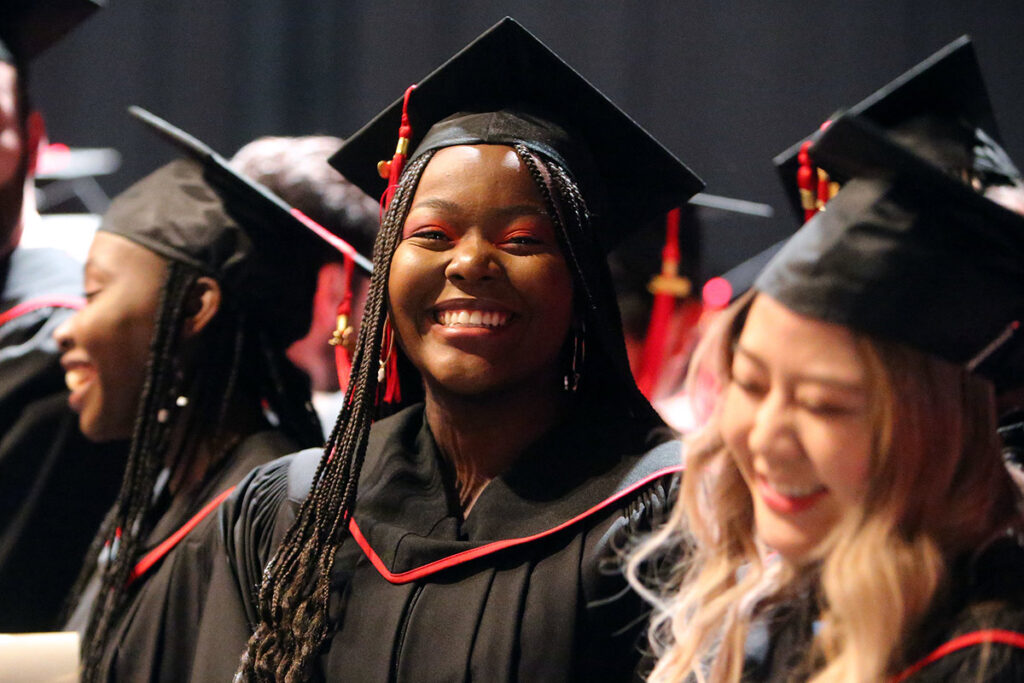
{"points": [[472, 318], [77, 379], [789, 499]]}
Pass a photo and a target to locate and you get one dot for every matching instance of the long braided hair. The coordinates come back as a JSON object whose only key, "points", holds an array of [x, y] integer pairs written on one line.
{"points": [[293, 597], [232, 340]]}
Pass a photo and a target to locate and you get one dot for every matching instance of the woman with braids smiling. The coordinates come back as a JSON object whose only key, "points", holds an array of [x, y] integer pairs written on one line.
{"points": [[474, 534], [181, 348]]}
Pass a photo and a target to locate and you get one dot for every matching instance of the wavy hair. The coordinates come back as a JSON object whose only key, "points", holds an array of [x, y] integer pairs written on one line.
{"points": [[938, 491]]}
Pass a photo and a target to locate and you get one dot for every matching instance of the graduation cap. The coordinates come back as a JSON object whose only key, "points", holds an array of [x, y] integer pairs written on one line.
{"points": [[940, 108], [29, 27], [907, 253], [507, 87], [201, 212]]}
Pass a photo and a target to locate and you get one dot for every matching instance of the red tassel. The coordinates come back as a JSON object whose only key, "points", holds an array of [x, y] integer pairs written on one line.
{"points": [[805, 181], [668, 287], [392, 170]]}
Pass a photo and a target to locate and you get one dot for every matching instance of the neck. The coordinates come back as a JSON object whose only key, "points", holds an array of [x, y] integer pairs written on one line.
{"points": [[481, 436], [191, 456]]}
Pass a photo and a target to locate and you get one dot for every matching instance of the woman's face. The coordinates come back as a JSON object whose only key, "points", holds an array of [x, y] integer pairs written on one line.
{"points": [[796, 419], [479, 290], [106, 344]]}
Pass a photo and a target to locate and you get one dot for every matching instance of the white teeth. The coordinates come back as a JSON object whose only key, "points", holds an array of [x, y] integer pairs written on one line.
{"points": [[796, 492], [472, 318], [75, 378]]}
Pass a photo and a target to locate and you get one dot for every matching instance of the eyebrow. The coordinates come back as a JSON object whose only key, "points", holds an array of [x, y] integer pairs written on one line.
{"points": [[845, 385]]}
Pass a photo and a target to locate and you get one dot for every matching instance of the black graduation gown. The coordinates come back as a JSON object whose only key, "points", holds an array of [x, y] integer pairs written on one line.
{"points": [[528, 587], [155, 637], [975, 632], [54, 485]]}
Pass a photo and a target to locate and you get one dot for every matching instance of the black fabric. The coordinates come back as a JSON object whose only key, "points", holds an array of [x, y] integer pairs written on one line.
{"points": [[155, 637], [530, 95], [55, 486], [940, 109], [262, 259], [29, 27], [984, 593], [906, 253], [553, 609]]}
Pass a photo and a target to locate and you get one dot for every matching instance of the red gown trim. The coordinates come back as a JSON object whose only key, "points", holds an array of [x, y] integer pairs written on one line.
{"points": [[72, 302], [157, 553], [475, 553], [1004, 637]]}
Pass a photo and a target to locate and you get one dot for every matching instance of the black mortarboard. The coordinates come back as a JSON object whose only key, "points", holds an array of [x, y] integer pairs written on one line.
{"points": [[940, 108], [201, 212], [907, 253], [29, 27], [506, 86]]}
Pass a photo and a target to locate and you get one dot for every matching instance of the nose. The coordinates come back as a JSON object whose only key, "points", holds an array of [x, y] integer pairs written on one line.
{"points": [[472, 260], [771, 433], [63, 334]]}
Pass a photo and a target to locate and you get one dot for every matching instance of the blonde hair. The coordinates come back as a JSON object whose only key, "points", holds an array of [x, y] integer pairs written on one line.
{"points": [[938, 490]]}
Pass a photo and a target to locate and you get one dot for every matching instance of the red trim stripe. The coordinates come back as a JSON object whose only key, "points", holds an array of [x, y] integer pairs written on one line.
{"points": [[73, 302], [475, 553], [1003, 637], [157, 553]]}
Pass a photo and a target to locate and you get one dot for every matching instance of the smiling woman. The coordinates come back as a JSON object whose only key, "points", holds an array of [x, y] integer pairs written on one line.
{"points": [[180, 349], [474, 534], [847, 506]]}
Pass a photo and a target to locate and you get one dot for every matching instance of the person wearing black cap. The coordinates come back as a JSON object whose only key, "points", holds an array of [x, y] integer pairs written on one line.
{"points": [[196, 283], [54, 485], [474, 533], [850, 512], [296, 169]]}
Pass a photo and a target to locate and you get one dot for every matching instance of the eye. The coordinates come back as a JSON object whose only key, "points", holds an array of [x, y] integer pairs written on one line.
{"points": [[434, 234], [92, 293], [828, 408], [749, 385], [525, 239], [429, 237]]}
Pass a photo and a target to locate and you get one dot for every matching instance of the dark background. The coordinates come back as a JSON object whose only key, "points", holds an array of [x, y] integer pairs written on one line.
{"points": [[725, 85]]}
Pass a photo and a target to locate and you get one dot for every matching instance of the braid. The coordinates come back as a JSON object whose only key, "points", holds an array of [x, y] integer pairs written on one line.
{"points": [[571, 233], [123, 529], [606, 370], [292, 602], [292, 605]]}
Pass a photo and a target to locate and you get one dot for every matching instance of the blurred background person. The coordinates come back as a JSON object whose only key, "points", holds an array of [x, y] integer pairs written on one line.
{"points": [[54, 486], [296, 169], [196, 283]]}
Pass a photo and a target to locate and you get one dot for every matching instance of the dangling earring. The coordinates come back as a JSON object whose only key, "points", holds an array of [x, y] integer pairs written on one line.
{"points": [[571, 381], [180, 399], [387, 373]]}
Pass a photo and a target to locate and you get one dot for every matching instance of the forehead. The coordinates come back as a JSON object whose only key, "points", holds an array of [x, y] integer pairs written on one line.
{"points": [[495, 170], [112, 254], [790, 341]]}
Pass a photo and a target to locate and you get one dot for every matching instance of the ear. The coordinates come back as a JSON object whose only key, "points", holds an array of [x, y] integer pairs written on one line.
{"points": [[202, 305], [36, 129]]}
